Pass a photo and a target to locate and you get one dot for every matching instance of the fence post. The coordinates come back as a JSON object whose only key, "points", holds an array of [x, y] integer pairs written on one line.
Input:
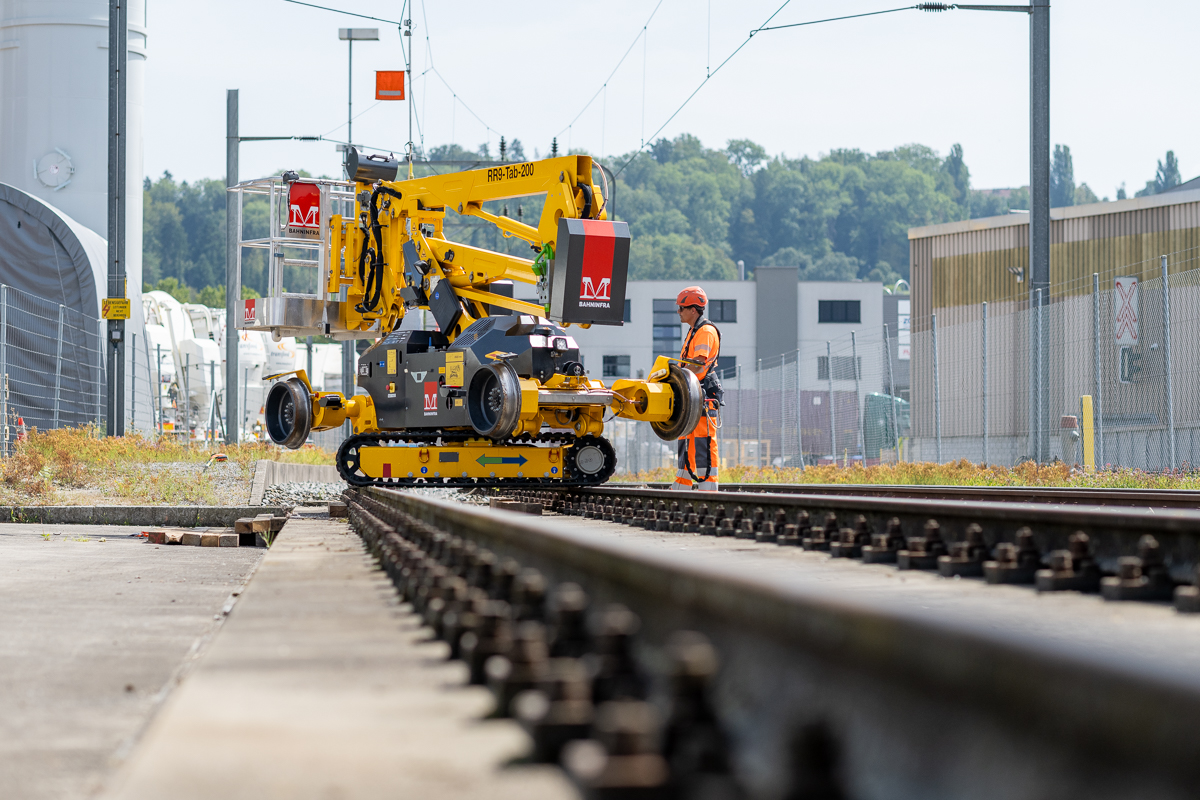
{"points": [[245, 400], [986, 460], [887, 354], [862, 451], [832, 413], [158, 385], [149, 379], [758, 415], [799, 414], [133, 382], [212, 401], [1166, 290], [1098, 409], [937, 391], [738, 460], [187, 400], [4, 365], [58, 365], [100, 379], [1041, 441]]}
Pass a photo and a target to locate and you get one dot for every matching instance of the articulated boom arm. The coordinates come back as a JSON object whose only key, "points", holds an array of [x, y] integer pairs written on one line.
{"points": [[397, 257]]}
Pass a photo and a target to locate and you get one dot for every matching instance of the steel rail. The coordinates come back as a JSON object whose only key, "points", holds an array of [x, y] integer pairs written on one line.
{"points": [[1146, 498], [1112, 533], [817, 691]]}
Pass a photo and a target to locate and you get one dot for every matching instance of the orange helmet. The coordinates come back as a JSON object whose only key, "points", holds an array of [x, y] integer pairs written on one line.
{"points": [[692, 296]]}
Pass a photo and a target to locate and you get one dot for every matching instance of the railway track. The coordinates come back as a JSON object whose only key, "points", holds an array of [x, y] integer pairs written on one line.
{"points": [[1144, 498], [652, 669], [1126, 553]]}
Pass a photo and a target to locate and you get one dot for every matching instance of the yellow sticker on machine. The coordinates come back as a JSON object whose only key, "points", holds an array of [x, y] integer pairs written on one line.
{"points": [[454, 369], [391, 362]]}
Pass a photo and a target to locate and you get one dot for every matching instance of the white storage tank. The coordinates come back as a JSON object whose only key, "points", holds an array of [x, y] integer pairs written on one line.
{"points": [[54, 122]]}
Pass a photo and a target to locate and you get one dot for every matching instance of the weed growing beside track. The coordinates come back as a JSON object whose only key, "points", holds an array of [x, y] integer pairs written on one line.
{"points": [[80, 466], [956, 473]]}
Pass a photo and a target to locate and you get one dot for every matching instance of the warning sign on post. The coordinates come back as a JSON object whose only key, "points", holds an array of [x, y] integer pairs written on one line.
{"points": [[1125, 311], [114, 308], [389, 84]]}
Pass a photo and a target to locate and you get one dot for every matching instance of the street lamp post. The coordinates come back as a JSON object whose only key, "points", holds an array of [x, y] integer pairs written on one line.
{"points": [[350, 36], [233, 141], [1039, 196]]}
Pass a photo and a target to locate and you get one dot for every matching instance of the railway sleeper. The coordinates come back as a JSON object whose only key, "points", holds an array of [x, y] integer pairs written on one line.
{"points": [[1146, 577], [569, 673]]}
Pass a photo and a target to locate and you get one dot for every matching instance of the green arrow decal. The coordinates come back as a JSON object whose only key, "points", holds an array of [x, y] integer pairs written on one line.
{"points": [[486, 460]]}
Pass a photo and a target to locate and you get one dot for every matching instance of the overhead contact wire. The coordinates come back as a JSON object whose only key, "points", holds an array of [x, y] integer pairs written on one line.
{"points": [[764, 27], [604, 85]]}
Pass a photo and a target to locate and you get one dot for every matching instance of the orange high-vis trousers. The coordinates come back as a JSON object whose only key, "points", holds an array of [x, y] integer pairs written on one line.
{"points": [[698, 450]]}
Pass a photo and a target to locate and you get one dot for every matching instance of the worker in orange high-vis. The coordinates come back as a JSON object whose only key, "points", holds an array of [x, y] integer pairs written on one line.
{"points": [[699, 464]]}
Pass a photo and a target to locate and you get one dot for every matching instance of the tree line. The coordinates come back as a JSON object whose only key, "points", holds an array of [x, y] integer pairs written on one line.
{"points": [[694, 212]]}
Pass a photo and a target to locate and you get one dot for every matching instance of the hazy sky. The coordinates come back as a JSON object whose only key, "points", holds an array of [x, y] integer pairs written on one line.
{"points": [[1122, 90]]}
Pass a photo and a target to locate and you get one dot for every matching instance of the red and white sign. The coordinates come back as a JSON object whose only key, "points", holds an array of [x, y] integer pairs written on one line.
{"points": [[304, 210], [250, 315], [1125, 311], [431, 396], [598, 250]]}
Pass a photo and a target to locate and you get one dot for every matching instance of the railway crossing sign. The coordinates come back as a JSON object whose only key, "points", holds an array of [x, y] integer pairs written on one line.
{"points": [[1125, 311], [114, 307]]}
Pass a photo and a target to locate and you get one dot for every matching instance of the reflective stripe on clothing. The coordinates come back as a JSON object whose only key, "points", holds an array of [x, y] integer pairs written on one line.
{"points": [[700, 453]]}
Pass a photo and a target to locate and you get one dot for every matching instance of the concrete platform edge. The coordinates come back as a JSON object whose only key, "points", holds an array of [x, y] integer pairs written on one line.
{"points": [[173, 516]]}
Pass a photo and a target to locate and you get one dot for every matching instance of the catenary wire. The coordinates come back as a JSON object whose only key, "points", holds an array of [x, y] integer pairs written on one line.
{"points": [[614, 70], [764, 27]]}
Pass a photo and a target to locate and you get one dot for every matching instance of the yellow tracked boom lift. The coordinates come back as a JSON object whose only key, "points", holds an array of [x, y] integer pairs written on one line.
{"points": [[487, 399]]}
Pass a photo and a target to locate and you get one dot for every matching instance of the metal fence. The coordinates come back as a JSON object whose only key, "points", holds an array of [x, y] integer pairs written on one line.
{"points": [[825, 402], [997, 383], [1006, 384], [51, 366]]}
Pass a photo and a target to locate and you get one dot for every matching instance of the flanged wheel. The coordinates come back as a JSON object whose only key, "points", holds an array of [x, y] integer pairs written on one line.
{"points": [[687, 408], [288, 413], [494, 400]]}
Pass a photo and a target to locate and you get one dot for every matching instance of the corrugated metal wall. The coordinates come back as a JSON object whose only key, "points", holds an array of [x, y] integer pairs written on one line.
{"points": [[956, 268]]}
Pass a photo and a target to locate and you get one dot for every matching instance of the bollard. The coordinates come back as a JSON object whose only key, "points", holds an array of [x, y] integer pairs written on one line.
{"points": [[1089, 437]]}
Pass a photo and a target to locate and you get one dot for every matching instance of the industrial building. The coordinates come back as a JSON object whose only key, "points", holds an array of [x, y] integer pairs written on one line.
{"points": [[762, 319], [1104, 336]]}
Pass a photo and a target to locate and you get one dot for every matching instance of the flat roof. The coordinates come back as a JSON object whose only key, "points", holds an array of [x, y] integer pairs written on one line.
{"points": [[1173, 198]]}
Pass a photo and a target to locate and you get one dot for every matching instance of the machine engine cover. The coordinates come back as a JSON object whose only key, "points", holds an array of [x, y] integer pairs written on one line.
{"points": [[587, 276]]}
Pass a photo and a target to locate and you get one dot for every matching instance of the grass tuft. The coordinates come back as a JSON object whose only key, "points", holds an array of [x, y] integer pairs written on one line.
{"points": [[955, 473]]}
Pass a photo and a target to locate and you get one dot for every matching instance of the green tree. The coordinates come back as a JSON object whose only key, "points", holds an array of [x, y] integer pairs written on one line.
{"points": [[1062, 178], [1165, 177], [1085, 195]]}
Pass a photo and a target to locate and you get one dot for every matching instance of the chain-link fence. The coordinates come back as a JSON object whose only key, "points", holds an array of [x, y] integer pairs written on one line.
{"points": [[1009, 382], [998, 383], [51, 364], [826, 402]]}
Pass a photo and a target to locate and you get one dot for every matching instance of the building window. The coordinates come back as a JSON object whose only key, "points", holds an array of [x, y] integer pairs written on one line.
{"points": [[843, 368], [839, 311], [668, 335], [722, 310], [726, 366], [628, 311], [616, 366]]}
